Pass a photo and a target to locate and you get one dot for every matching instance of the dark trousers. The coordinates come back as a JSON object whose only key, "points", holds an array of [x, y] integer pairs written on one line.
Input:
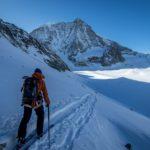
{"points": [[26, 117]]}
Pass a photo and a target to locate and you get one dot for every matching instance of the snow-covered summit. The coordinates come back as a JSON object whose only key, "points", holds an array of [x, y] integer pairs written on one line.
{"points": [[79, 46], [76, 40], [21, 39], [71, 36]]}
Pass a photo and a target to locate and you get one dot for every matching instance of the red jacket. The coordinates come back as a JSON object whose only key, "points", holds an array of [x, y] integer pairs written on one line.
{"points": [[42, 86]]}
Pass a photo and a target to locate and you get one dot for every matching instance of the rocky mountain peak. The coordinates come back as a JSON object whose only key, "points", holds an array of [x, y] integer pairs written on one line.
{"points": [[79, 21], [77, 43]]}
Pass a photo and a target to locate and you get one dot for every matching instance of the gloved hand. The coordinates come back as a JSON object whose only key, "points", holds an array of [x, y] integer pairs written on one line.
{"points": [[47, 102], [47, 105]]}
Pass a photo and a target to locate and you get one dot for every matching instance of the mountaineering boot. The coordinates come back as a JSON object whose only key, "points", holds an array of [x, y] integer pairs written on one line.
{"points": [[21, 141], [39, 136]]}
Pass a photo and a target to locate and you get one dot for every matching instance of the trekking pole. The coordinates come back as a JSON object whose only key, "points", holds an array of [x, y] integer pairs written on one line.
{"points": [[48, 126]]}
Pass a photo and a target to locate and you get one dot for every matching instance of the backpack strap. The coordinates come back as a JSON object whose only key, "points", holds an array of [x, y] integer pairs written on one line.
{"points": [[36, 88]]}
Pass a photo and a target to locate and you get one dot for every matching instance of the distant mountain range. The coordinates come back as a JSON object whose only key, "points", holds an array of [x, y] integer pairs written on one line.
{"points": [[73, 45]]}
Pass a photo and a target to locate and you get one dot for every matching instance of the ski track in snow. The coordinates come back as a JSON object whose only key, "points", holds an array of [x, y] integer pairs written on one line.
{"points": [[68, 121]]}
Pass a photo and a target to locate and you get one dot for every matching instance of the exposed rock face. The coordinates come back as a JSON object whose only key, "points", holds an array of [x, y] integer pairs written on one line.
{"points": [[111, 56], [20, 38]]}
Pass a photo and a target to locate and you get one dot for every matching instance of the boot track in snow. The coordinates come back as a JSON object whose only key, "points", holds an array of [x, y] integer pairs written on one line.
{"points": [[68, 122]]}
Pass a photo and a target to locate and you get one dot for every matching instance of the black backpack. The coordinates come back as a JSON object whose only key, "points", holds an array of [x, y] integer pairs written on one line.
{"points": [[30, 90]]}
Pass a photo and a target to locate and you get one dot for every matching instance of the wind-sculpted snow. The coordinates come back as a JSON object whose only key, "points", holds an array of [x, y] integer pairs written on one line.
{"points": [[68, 123]]}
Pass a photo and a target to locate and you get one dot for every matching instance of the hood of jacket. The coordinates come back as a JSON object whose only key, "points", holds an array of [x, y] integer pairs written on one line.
{"points": [[38, 75]]}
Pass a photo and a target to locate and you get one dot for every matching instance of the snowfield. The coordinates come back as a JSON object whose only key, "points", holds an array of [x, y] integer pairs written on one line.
{"points": [[84, 118], [130, 87]]}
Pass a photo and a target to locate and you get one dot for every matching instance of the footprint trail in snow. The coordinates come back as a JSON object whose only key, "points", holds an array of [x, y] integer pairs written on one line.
{"points": [[68, 123]]}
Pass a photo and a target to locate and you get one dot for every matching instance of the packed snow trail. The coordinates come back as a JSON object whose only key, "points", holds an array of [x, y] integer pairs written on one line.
{"points": [[68, 121]]}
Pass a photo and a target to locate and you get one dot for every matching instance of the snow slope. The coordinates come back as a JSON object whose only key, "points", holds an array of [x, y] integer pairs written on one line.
{"points": [[83, 119], [14, 65], [113, 125]]}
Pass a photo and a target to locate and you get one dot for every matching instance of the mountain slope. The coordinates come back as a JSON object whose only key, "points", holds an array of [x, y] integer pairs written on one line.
{"points": [[20, 38], [82, 118], [79, 46]]}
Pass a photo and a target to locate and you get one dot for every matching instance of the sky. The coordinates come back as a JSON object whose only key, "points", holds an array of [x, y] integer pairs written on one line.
{"points": [[124, 21]]}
